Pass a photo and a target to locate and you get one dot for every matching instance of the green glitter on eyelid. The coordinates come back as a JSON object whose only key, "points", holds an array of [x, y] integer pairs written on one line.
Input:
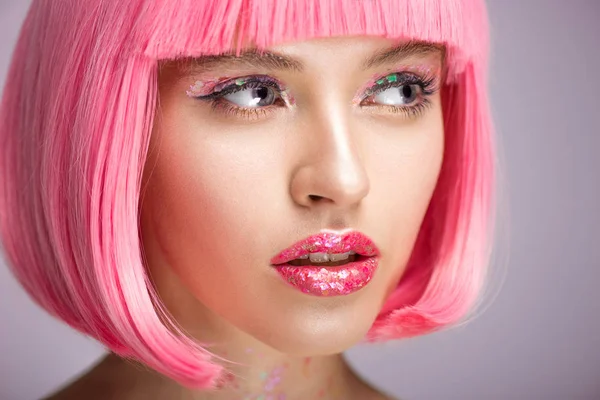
{"points": [[380, 82], [240, 82], [392, 78]]}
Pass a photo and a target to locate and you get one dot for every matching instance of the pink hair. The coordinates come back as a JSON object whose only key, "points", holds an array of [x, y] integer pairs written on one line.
{"points": [[76, 118]]}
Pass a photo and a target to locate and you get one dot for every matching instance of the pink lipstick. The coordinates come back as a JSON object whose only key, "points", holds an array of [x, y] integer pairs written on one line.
{"points": [[329, 263]]}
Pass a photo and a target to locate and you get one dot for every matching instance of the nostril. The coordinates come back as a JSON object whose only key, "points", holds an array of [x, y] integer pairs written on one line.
{"points": [[314, 197]]}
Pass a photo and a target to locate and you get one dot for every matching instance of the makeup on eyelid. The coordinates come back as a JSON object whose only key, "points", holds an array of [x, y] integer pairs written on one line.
{"points": [[206, 87], [202, 88], [225, 93], [425, 72]]}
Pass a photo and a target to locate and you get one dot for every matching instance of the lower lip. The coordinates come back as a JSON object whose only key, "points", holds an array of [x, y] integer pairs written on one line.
{"points": [[330, 281]]}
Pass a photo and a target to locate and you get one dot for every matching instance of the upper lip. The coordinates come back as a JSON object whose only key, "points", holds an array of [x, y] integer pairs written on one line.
{"points": [[328, 242]]}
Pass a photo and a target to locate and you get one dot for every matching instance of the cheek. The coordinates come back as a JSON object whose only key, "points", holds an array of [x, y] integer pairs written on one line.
{"points": [[208, 213], [403, 177], [217, 227]]}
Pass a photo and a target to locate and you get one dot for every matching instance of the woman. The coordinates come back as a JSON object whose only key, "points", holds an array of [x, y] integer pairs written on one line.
{"points": [[232, 193]]}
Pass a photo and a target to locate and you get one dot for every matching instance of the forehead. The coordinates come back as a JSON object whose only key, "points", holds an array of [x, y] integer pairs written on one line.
{"points": [[170, 29]]}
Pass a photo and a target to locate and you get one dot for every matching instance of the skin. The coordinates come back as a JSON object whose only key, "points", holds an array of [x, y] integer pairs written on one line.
{"points": [[223, 194]]}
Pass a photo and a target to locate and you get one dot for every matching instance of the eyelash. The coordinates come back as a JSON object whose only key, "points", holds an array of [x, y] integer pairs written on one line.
{"points": [[219, 104], [427, 86]]}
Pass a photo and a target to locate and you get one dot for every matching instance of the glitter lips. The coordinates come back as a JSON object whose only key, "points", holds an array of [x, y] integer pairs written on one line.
{"points": [[325, 280]]}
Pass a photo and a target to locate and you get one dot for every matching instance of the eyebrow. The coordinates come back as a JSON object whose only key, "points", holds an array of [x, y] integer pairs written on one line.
{"points": [[401, 52], [276, 61]]}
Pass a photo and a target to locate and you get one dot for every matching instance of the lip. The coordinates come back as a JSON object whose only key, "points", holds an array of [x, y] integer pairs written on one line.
{"points": [[328, 242], [326, 281]]}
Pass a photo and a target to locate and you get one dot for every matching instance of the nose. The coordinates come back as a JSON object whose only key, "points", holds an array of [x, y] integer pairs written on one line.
{"points": [[331, 172]]}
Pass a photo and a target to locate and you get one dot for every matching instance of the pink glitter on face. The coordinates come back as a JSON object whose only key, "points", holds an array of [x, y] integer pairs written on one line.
{"points": [[203, 88]]}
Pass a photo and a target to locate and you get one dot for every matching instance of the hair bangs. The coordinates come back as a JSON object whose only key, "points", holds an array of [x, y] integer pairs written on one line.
{"points": [[185, 28]]}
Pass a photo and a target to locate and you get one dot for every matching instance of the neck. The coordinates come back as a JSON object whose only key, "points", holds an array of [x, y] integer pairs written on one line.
{"points": [[264, 374], [261, 375]]}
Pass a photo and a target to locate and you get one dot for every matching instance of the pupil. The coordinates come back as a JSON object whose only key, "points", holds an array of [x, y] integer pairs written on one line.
{"points": [[407, 92], [265, 94]]}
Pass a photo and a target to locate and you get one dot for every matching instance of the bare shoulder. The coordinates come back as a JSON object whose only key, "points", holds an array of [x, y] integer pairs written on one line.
{"points": [[376, 394], [383, 396], [88, 386], [367, 391], [83, 388], [391, 398], [95, 383]]}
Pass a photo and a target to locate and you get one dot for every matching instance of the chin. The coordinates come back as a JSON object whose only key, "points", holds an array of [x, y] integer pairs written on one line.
{"points": [[317, 331]]}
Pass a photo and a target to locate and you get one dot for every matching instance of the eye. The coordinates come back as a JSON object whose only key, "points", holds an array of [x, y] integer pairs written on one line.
{"points": [[253, 96], [403, 93], [397, 96]]}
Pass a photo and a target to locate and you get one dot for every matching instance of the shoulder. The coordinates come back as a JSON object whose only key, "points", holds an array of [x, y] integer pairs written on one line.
{"points": [[383, 396], [83, 389], [97, 383], [90, 386], [375, 394]]}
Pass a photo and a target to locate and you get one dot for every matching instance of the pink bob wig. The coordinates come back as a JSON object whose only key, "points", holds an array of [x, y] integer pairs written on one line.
{"points": [[75, 122]]}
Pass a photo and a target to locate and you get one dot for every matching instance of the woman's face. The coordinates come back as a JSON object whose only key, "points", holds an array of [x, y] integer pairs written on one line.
{"points": [[251, 155]]}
